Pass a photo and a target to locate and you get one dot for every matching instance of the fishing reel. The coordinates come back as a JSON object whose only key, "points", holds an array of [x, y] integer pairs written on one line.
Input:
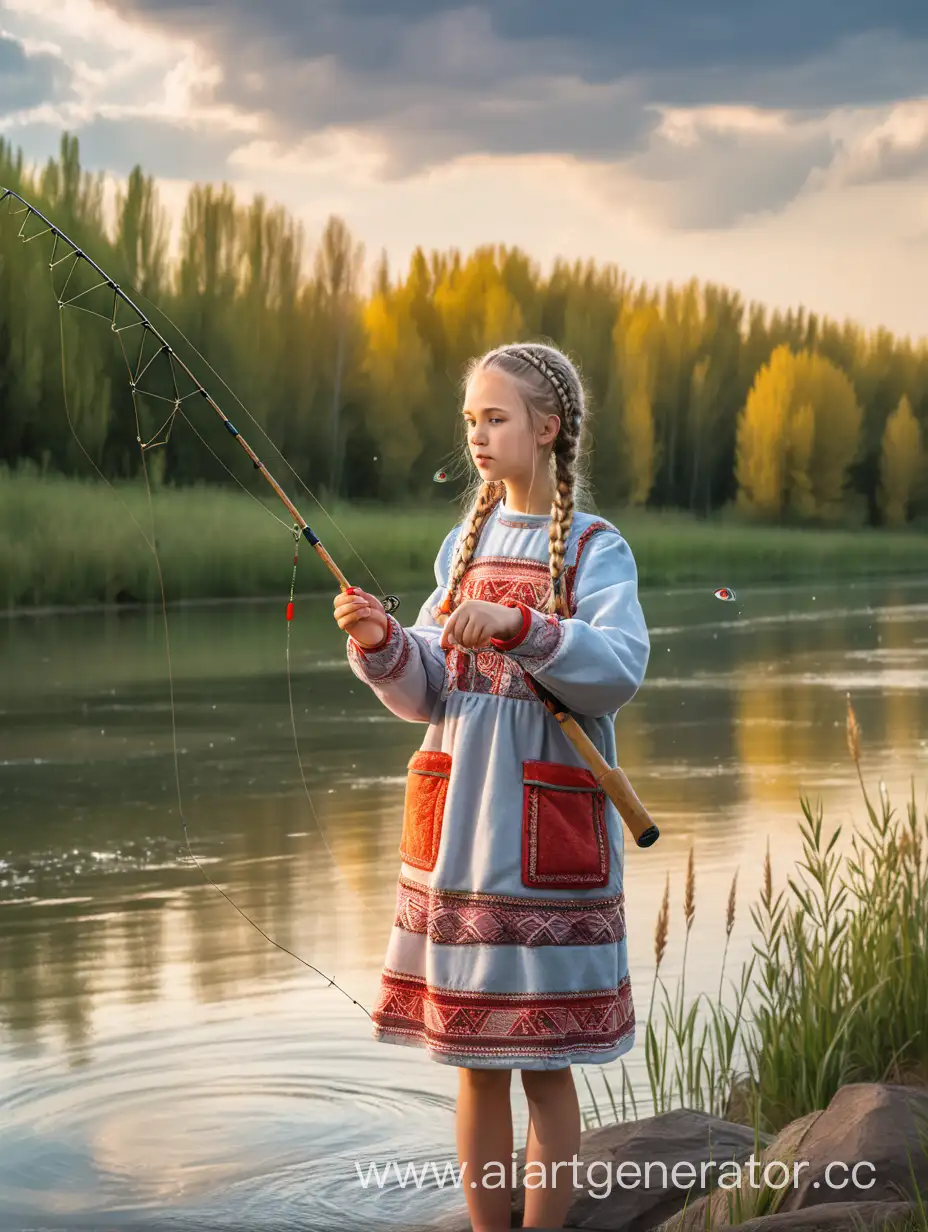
{"points": [[390, 603]]}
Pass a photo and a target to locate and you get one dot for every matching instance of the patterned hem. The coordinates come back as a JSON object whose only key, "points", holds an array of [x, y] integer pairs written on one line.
{"points": [[465, 1060], [541, 1030]]}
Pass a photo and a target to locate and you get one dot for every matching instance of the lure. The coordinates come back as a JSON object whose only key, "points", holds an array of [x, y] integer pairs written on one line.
{"points": [[440, 477], [726, 595]]}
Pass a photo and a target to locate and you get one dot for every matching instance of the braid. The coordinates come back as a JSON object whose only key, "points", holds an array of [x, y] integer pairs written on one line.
{"points": [[563, 379], [488, 497]]}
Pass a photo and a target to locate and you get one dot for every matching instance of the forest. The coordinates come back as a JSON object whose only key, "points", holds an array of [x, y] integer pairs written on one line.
{"points": [[698, 400]]}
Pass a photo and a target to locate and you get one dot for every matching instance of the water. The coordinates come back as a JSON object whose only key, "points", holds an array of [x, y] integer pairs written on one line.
{"points": [[162, 1065]]}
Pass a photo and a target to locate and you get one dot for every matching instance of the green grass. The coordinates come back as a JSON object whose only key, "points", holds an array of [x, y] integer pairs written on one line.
{"points": [[66, 542], [835, 992]]}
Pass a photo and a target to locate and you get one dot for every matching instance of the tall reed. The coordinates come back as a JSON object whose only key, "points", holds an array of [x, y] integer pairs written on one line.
{"points": [[836, 989]]}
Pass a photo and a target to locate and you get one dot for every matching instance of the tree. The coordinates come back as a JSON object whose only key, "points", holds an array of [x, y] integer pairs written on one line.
{"points": [[796, 438], [901, 461]]}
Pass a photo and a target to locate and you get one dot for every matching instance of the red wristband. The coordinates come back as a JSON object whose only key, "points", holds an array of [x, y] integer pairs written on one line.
{"points": [[511, 643]]}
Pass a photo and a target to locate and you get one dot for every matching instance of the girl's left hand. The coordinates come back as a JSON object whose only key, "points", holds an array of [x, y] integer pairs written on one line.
{"points": [[471, 625]]}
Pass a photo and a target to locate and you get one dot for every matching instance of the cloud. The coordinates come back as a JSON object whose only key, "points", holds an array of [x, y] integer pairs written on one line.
{"points": [[716, 167], [28, 78], [896, 149], [421, 83], [685, 116]]}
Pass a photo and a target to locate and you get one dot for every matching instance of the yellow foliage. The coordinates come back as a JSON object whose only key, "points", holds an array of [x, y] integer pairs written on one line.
{"points": [[901, 461], [396, 366], [637, 341], [797, 436]]}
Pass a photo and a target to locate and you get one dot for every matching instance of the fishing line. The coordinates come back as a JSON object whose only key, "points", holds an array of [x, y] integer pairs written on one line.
{"points": [[309, 492], [159, 439]]}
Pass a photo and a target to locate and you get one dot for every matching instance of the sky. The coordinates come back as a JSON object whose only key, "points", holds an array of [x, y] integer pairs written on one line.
{"points": [[781, 149]]}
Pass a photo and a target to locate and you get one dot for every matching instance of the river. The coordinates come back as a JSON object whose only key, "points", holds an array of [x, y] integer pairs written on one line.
{"points": [[162, 1065]]}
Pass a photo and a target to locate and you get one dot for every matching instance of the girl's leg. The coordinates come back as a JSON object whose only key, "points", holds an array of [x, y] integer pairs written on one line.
{"points": [[553, 1137], [484, 1135]]}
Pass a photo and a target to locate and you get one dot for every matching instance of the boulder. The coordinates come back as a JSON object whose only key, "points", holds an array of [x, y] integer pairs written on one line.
{"points": [[677, 1138], [835, 1217], [874, 1127]]}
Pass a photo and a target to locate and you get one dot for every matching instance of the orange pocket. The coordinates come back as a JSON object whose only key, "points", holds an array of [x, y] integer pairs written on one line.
{"points": [[423, 812], [564, 836]]}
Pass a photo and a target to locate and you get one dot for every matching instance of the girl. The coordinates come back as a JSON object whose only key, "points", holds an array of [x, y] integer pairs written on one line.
{"points": [[508, 948]]}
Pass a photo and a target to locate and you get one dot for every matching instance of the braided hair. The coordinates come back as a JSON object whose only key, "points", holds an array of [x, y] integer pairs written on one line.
{"points": [[550, 385]]}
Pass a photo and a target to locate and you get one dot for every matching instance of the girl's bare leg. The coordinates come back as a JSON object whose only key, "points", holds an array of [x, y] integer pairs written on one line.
{"points": [[553, 1137], [484, 1137]]}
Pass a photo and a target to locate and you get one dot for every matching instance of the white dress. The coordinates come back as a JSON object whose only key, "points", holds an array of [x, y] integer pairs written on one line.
{"points": [[508, 947]]}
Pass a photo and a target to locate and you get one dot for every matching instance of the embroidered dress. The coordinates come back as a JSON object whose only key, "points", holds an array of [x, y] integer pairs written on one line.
{"points": [[508, 948]]}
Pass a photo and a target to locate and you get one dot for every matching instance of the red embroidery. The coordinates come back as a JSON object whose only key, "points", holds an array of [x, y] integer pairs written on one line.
{"points": [[481, 1024], [461, 917], [564, 837], [570, 572]]}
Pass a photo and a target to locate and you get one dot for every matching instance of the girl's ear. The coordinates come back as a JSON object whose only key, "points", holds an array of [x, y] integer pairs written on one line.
{"points": [[548, 433]]}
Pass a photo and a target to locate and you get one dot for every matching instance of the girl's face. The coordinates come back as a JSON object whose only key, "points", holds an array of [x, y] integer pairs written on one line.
{"points": [[501, 434]]}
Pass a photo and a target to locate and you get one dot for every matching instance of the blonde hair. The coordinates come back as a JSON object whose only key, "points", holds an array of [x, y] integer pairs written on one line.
{"points": [[550, 385]]}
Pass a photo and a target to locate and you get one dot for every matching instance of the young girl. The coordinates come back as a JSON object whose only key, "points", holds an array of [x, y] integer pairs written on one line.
{"points": [[508, 948]]}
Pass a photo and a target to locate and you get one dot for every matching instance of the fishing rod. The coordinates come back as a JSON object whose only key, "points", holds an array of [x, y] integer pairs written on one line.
{"points": [[612, 779]]}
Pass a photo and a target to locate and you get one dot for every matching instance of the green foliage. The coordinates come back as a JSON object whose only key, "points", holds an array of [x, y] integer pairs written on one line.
{"points": [[359, 387], [835, 992], [73, 541]]}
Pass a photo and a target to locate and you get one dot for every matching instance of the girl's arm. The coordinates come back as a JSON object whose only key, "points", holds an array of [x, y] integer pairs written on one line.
{"points": [[595, 661], [407, 671]]}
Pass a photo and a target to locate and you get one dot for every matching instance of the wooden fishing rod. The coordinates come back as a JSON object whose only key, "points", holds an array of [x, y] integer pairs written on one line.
{"points": [[612, 779]]}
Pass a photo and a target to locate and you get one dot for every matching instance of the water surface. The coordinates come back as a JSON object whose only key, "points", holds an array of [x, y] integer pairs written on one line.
{"points": [[161, 1064]]}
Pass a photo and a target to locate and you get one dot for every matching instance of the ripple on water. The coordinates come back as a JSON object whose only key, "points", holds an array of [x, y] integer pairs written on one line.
{"points": [[214, 1121]]}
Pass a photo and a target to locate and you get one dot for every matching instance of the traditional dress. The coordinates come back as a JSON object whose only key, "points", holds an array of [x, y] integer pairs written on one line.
{"points": [[508, 948]]}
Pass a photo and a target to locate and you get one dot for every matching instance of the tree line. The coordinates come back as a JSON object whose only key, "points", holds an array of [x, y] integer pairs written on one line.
{"points": [[698, 400]]}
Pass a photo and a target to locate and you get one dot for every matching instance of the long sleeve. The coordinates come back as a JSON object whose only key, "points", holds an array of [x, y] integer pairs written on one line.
{"points": [[595, 661], [407, 672]]}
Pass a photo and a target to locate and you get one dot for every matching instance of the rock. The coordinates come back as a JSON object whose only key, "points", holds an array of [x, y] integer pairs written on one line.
{"points": [[835, 1217], [865, 1124], [867, 1127]]}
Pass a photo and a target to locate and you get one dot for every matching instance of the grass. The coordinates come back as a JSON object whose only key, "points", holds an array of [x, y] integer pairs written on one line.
{"points": [[70, 542], [835, 992]]}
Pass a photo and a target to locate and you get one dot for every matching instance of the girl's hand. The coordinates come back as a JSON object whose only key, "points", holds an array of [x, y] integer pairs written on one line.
{"points": [[471, 625], [362, 615]]}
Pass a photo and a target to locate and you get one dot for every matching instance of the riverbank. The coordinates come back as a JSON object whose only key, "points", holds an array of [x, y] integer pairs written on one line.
{"points": [[67, 543]]}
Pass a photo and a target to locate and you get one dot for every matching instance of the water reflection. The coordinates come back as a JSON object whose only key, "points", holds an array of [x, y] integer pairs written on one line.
{"points": [[158, 1057]]}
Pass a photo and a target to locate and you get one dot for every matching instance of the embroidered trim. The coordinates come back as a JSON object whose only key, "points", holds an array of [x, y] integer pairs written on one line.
{"points": [[464, 917], [542, 641], [570, 572], [388, 662], [526, 522], [481, 1024]]}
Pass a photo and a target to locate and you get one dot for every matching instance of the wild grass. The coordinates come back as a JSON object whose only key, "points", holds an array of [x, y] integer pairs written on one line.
{"points": [[69, 542], [834, 993]]}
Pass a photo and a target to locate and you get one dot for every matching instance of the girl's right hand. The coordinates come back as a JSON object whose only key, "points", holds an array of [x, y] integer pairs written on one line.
{"points": [[362, 615]]}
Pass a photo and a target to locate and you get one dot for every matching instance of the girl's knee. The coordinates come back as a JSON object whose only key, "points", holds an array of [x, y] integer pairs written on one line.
{"points": [[540, 1084]]}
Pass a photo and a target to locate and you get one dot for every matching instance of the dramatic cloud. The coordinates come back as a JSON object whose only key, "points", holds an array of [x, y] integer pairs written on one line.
{"points": [[424, 83], [28, 79], [784, 145]]}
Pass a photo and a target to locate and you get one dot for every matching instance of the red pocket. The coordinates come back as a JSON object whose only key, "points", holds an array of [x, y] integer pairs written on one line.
{"points": [[564, 837], [424, 808]]}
